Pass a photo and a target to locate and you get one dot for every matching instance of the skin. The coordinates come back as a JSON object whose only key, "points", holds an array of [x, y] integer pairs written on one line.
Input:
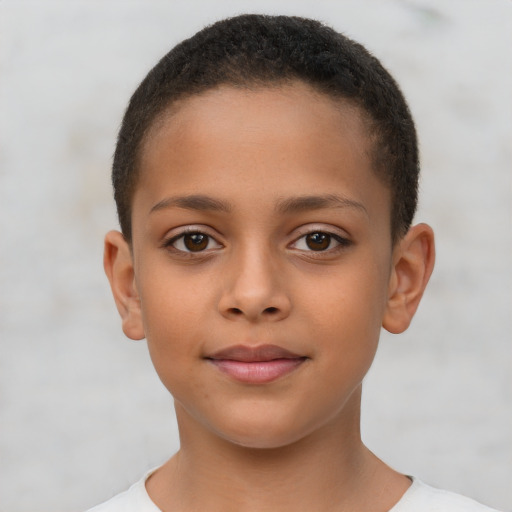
{"points": [[292, 443]]}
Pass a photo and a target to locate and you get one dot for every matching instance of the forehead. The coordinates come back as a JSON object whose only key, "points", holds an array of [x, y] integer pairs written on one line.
{"points": [[270, 142], [248, 107]]}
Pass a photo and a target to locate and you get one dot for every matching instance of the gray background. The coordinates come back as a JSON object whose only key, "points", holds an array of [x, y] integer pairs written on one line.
{"points": [[82, 413]]}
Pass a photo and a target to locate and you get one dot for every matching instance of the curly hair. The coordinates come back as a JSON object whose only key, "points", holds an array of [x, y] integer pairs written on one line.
{"points": [[258, 50]]}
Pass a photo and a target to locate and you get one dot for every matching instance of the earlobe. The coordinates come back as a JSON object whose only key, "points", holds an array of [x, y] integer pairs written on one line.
{"points": [[118, 264], [413, 262]]}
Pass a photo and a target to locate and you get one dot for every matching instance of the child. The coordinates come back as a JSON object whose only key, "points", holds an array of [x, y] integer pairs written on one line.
{"points": [[265, 177]]}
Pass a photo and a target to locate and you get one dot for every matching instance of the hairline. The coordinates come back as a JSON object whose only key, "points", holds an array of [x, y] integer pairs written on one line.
{"points": [[174, 104]]}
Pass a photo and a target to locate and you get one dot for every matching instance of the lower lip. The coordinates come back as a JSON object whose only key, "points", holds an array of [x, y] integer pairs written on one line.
{"points": [[257, 372]]}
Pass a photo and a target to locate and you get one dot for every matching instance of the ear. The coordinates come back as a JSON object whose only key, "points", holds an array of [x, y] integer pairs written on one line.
{"points": [[118, 264], [413, 262]]}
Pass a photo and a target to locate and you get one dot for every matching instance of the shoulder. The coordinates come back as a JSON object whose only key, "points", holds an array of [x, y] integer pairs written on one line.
{"points": [[423, 498], [135, 499]]}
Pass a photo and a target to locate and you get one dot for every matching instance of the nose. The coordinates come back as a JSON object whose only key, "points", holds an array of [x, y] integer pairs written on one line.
{"points": [[254, 289]]}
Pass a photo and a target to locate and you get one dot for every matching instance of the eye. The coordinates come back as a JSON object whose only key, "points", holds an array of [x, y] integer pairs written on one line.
{"points": [[193, 241], [319, 241]]}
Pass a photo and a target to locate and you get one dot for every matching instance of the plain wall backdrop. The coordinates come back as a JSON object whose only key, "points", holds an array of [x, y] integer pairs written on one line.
{"points": [[82, 413]]}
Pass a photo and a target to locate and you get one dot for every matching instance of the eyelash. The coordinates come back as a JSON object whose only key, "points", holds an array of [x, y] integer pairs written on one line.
{"points": [[342, 243], [170, 243]]}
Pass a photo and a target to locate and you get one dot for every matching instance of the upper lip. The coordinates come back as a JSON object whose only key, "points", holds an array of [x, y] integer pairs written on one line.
{"points": [[249, 354]]}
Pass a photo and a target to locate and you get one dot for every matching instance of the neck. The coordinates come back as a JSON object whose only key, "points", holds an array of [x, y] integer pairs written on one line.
{"points": [[328, 470]]}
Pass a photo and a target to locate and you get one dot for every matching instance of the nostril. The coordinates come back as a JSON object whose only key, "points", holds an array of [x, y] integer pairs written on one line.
{"points": [[271, 310], [236, 311]]}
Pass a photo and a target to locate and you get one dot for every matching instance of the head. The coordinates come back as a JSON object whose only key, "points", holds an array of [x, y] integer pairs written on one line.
{"points": [[255, 51], [265, 176]]}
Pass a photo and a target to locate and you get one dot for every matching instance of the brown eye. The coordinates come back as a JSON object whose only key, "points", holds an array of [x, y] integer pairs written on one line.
{"points": [[318, 241], [195, 242], [192, 242], [321, 242]]}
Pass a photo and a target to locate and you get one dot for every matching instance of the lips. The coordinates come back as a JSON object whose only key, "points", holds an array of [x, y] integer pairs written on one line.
{"points": [[256, 365]]}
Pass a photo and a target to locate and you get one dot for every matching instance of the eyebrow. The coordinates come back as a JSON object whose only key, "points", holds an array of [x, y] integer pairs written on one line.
{"points": [[192, 202], [289, 205], [305, 203]]}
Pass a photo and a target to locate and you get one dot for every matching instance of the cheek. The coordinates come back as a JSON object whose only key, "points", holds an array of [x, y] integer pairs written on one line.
{"points": [[171, 303], [178, 312], [174, 349], [169, 314], [347, 343], [348, 302], [345, 318]]}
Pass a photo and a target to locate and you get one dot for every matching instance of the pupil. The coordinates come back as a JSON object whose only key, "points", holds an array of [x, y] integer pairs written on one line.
{"points": [[195, 241], [318, 241]]}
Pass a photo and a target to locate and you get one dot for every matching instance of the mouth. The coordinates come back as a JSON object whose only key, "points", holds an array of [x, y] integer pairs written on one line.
{"points": [[256, 365]]}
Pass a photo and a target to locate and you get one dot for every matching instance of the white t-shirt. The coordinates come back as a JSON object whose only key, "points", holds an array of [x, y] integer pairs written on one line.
{"points": [[418, 498]]}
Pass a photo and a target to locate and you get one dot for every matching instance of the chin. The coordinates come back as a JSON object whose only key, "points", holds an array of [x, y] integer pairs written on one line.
{"points": [[262, 442], [264, 435]]}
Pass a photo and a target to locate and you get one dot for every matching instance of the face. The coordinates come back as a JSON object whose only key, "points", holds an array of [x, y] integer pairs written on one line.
{"points": [[262, 256]]}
